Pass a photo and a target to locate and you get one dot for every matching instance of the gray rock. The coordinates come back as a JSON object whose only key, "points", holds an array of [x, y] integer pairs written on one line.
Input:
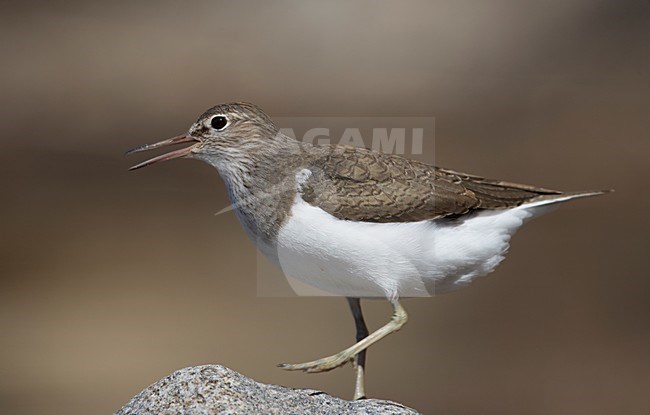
{"points": [[213, 389]]}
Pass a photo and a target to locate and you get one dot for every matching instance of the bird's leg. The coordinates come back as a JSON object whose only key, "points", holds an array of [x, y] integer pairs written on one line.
{"points": [[339, 359], [362, 333]]}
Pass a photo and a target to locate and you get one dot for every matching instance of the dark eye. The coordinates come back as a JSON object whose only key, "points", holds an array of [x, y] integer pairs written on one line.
{"points": [[219, 122]]}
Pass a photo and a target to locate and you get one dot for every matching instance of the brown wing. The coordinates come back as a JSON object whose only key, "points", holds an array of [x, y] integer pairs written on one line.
{"points": [[362, 185]]}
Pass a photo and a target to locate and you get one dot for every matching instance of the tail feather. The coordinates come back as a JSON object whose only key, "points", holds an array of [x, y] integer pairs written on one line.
{"points": [[562, 197]]}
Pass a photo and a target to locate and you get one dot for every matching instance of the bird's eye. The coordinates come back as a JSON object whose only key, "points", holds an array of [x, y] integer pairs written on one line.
{"points": [[219, 122]]}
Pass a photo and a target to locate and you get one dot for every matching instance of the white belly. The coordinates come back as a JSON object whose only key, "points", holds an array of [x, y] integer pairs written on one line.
{"points": [[408, 259]]}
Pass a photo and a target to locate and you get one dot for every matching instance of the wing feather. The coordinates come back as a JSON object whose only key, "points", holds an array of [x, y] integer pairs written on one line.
{"points": [[362, 185]]}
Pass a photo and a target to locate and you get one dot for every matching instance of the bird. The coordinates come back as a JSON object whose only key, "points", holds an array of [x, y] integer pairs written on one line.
{"points": [[354, 222]]}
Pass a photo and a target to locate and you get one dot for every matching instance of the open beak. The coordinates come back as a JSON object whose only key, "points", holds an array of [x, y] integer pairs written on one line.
{"points": [[181, 152]]}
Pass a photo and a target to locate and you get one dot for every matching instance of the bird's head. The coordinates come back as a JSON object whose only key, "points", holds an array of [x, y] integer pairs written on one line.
{"points": [[220, 131]]}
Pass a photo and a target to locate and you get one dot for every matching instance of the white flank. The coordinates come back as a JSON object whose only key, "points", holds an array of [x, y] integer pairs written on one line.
{"points": [[406, 259]]}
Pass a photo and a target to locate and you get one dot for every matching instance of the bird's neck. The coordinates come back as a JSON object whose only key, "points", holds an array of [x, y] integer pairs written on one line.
{"points": [[260, 184]]}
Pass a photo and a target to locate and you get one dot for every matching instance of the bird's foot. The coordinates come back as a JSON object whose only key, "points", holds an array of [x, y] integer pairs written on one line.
{"points": [[321, 365]]}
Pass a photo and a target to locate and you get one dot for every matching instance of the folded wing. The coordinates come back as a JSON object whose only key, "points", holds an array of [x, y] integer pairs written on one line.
{"points": [[362, 185]]}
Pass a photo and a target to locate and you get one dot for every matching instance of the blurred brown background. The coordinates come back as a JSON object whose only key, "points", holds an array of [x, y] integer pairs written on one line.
{"points": [[111, 280]]}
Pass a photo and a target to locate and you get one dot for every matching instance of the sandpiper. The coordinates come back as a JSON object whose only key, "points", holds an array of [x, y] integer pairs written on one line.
{"points": [[358, 223]]}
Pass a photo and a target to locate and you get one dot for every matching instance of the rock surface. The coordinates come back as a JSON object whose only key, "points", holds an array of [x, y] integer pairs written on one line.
{"points": [[213, 389]]}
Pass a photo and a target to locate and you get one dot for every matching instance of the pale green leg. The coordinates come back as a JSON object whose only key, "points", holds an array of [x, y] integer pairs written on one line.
{"points": [[332, 362], [362, 333]]}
